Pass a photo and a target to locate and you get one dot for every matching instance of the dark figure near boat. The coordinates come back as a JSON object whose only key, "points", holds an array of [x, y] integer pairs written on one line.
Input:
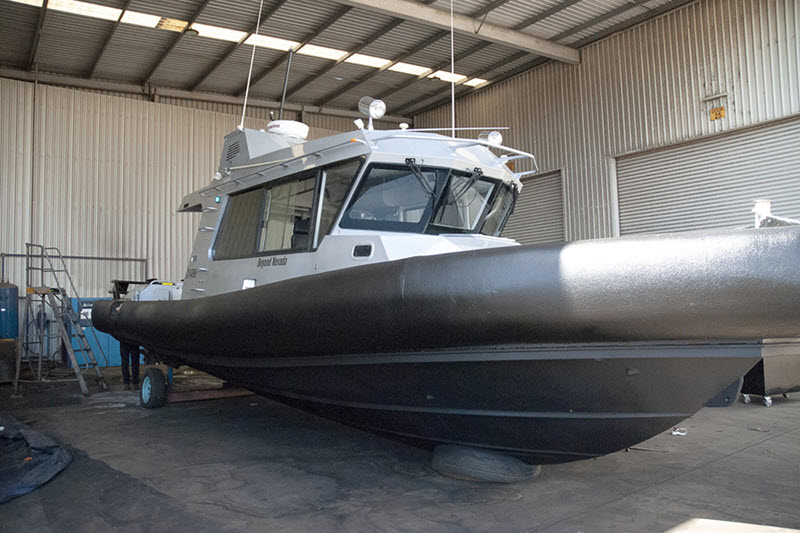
{"points": [[129, 352]]}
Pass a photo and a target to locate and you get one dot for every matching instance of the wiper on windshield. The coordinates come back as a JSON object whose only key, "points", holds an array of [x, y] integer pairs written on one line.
{"points": [[474, 176], [412, 165]]}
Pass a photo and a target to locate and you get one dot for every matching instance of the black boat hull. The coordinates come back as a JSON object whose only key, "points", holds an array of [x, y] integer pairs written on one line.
{"points": [[553, 353], [545, 404]]}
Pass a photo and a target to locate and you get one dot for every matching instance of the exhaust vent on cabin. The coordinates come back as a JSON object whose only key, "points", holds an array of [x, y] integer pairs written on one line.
{"points": [[233, 151]]}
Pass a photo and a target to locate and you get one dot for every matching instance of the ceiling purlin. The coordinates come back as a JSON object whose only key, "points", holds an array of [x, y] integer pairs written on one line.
{"points": [[420, 46], [313, 35], [485, 10], [597, 20], [439, 66], [369, 40], [488, 8], [522, 25], [265, 15], [583, 42], [175, 42], [625, 24], [103, 48], [544, 14], [427, 96], [37, 36]]}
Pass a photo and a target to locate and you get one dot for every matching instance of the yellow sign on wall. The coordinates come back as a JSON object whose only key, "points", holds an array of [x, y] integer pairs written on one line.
{"points": [[717, 113]]}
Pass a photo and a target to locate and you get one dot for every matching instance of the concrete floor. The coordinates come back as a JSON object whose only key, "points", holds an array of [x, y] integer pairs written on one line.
{"points": [[249, 464]]}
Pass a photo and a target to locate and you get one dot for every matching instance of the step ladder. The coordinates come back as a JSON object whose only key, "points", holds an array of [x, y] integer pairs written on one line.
{"points": [[51, 324]]}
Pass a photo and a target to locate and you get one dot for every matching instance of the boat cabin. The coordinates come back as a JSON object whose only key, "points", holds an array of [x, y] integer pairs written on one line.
{"points": [[280, 208]]}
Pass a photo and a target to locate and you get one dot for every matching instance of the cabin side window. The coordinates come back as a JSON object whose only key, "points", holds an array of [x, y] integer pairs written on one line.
{"points": [[501, 210], [336, 182], [238, 231], [286, 224], [291, 215]]}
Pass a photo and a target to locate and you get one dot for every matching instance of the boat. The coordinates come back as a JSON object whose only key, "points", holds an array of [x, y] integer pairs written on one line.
{"points": [[363, 277]]}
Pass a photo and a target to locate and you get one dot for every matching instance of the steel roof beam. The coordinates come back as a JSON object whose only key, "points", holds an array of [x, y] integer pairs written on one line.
{"points": [[485, 10], [486, 31], [174, 42], [524, 24], [265, 15], [535, 62], [654, 12], [316, 33], [97, 59], [37, 35]]}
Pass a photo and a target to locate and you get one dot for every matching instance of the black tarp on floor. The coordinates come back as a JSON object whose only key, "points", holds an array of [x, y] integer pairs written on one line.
{"points": [[28, 458]]}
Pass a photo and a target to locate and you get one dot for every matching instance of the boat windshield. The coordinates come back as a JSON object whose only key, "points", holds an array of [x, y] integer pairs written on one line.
{"points": [[420, 199]]}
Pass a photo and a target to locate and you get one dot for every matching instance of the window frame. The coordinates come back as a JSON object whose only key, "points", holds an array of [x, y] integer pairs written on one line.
{"points": [[428, 228], [222, 219], [320, 177], [298, 176]]}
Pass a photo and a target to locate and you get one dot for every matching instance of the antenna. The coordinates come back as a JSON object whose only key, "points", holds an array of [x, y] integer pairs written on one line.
{"points": [[452, 76], [285, 82], [250, 72]]}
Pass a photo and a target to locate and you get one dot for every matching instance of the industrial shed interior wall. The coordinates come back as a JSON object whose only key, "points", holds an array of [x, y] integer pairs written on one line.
{"points": [[101, 175], [650, 86]]}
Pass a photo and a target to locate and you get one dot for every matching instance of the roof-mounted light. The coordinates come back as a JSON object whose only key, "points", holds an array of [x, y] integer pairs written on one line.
{"points": [[494, 138], [372, 107]]}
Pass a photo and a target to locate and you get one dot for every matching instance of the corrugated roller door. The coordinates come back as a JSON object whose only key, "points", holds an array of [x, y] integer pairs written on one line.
{"points": [[539, 213], [711, 183]]}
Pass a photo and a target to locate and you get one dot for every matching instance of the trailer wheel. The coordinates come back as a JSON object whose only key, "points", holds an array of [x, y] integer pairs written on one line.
{"points": [[472, 464], [153, 393]]}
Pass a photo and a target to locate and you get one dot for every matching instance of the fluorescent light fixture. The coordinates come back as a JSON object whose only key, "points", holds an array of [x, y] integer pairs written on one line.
{"points": [[408, 68], [322, 51], [474, 82], [34, 3], [215, 32], [171, 24], [265, 41], [140, 19], [447, 76], [367, 61], [85, 8]]}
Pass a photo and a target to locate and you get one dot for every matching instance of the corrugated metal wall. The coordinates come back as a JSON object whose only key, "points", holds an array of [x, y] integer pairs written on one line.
{"points": [[652, 85], [539, 213], [100, 175], [16, 161]]}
